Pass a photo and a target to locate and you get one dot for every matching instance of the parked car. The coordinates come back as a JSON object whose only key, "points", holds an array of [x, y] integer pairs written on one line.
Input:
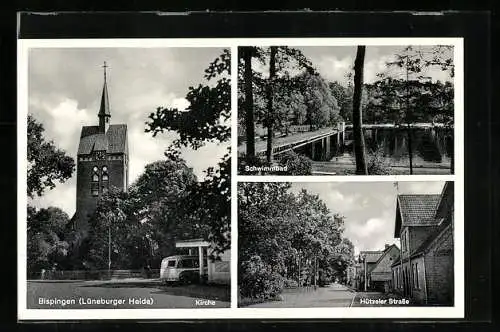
{"points": [[181, 269]]}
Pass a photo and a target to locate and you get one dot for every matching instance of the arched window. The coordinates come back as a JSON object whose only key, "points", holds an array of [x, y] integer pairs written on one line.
{"points": [[94, 185], [95, 174], [105, 176]]}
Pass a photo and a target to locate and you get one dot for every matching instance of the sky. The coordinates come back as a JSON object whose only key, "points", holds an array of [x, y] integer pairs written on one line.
{"points": [[369, 208], [64, 91], [334, 62]]}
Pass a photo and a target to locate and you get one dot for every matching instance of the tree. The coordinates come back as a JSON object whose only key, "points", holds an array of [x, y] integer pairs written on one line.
{"points": [[270, 120], [321, 106], [282, 60], [247, 54], [205, 120], [110, 230], [413, 96], [359, 144], [46, 163], [283, 237], [343, 95], [160, 194], [46, 243]]}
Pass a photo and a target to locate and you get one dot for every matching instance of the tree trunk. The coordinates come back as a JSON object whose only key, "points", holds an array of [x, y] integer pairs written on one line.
{"points": [[249, 120], [270, 120], [359, 142]]}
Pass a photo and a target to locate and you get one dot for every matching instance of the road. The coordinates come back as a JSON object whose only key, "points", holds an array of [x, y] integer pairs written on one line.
{"points": [[123, 294], [335, 295]]}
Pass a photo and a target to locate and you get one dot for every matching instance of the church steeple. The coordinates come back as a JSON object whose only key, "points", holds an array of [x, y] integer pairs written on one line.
{"points": [[104, 113]]}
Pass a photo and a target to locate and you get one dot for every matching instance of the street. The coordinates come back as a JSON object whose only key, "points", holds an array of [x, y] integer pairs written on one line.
{"points": [[123, 294], [334, 295]]}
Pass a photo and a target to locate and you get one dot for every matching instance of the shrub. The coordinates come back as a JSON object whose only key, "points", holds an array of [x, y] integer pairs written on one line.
{"points": [[258, 280], [295, 164], [377, 165]]}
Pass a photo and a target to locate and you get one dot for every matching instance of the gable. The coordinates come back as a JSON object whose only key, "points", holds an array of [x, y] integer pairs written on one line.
{"points": [[114, 141], [415, 210], [389, 257]]}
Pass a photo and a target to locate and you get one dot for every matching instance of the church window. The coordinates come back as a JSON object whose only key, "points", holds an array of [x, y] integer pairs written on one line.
{"points": [[105, 176], [95, 174]]}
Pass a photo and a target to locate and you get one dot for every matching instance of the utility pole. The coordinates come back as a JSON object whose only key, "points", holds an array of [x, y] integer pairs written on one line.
{"points": [[366, 273], [410, 152], [109, 250]]}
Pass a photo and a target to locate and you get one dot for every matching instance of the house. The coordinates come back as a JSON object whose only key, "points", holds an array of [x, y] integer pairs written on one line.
{"points": [[424, 225], [368, 260], [381, 273], [353, 275]]}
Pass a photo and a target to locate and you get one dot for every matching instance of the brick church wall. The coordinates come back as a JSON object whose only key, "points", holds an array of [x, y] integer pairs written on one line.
{"points": [[86, 202]]}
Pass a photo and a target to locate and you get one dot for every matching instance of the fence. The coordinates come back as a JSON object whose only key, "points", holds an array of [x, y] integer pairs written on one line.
{"points": [[94, 274]]}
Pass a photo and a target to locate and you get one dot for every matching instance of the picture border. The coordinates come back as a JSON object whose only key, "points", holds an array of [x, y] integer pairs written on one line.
{"points": [[457, 311]]}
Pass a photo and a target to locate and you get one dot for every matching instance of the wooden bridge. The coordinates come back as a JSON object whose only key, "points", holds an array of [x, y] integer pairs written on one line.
{"points": [[320, 144]]}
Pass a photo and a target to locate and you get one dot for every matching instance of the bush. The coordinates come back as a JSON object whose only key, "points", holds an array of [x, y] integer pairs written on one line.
{"points": [[295, 164], [377, 165], [257, 280]]}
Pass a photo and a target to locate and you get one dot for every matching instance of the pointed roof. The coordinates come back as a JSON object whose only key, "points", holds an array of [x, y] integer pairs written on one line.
{"points": [[415, 210], [104, 108], [113, 141], [371, 256]]}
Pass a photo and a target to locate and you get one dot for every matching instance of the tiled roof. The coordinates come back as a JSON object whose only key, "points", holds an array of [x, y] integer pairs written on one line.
{"points": [[371, 256], [114, 141], [418, 210]]}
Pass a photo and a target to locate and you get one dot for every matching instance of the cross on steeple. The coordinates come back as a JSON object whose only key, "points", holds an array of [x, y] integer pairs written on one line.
{"points": [[104, 112]]}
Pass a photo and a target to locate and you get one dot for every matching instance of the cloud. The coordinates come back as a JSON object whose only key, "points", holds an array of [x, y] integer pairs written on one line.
{"points": [[65, 89], [333, 68]]}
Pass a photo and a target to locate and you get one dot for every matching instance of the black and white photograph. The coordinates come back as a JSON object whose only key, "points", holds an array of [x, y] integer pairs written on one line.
{"points": [[128, 177], [346, 244], [346, 110]]}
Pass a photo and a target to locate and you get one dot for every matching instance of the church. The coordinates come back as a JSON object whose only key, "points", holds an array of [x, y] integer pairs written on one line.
{"points": [[102, 161]]}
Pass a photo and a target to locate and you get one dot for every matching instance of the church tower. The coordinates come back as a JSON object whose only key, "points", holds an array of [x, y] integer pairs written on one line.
{"points": [[102, 161]]}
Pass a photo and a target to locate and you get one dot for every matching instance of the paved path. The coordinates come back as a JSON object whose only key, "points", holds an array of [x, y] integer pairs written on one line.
{"points": [[334, 295], [123, 294]]}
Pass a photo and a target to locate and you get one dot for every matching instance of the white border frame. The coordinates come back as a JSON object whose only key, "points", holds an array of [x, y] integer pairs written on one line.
{"points": [[240, 313]]}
